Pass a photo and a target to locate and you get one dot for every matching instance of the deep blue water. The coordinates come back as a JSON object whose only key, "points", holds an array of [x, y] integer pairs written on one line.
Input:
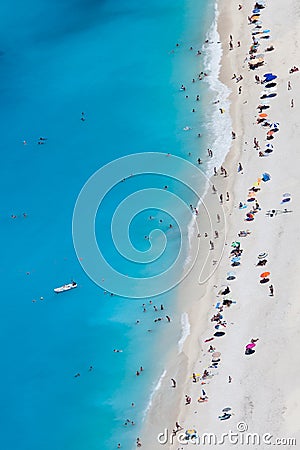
{"points": [[112, 60]]}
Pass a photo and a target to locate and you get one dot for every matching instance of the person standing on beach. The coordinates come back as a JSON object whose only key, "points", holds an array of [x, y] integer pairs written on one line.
{"points": [[271, 289], [240, 167], [221, 199], [188, 400], [173, 383]]}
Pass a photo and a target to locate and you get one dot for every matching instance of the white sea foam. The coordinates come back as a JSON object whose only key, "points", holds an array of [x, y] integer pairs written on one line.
{"points": [[219, 125], [185, 330], [157, 387], [191, 233]]}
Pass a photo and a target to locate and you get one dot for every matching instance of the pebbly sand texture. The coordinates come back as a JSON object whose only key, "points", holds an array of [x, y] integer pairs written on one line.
{"points": [[263, 392]]}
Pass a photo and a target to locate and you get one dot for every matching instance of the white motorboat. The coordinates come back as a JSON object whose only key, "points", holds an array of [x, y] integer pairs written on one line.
{"points": [[66, 287]]}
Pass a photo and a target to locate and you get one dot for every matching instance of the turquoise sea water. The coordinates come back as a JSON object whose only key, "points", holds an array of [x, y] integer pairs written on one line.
{"points": [[112, 60]]}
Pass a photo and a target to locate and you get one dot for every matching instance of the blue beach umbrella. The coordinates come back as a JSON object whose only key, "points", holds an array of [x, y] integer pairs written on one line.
{"points": [[266, 177], [231, 276], [236, 259], [270, 76]]}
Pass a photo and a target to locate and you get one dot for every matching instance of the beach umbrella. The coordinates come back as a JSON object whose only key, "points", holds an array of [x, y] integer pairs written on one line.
{"points": [[225, 417], [269, 145], [262, 255], [270, 76], [226, 409], [235, 244], [191, 433], [285, 200], [236, 259], [264, 280], [252, 345], [249, 351], [269, 85], [274, 125], [224, 291], [266, 176], [256, 10], [264, 274], [263, 115], [216, 355], [219, 333], [286, 195], [231, 276]]}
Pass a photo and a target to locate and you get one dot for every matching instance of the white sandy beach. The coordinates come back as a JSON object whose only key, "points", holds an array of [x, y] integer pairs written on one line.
{"points": [[264, 391]]}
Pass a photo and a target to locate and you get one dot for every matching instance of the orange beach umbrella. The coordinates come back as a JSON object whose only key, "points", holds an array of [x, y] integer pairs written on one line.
{"points": [[263, 115], [264, 274]]}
